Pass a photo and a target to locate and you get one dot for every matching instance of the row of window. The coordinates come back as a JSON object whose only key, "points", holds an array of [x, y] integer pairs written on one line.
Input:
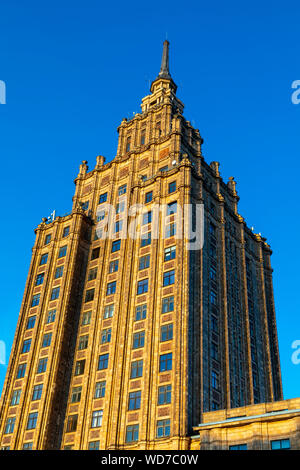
{"points": [[42, 366], [66, 232], [278, 444]]}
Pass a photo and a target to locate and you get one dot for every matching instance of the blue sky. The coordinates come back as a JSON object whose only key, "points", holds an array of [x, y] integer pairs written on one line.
{"points": [[74, 69]]}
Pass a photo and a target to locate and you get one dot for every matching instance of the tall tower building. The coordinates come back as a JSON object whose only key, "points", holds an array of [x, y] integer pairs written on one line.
{"points": [[123, 341]]}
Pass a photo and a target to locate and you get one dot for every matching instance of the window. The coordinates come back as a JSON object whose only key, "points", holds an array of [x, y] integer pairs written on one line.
{"points": [[144, 262], [214, 324], [86, 318], [142, 286], [212, 229], [172, 208], [212, 274], [47, 239], [44, 259], [114, 266], [171, 230], [111, 288], [116, 245], [280, 444], [128, 142], [103, 361], [97, 418], [134, 402], [89, 295], [27, 446], [31, 322], [169, 278], [163, 428], [118, 226], [213, 298], [39, 279], [15, 399], [66, 232], [143, 136], [109, 311], [214, 351], [46, 340], [72, 423], [120, 207], [10, 424], [95, 253], [167, 304], [132, 433], [92, 274], [166, 332], [83, 342], [21, 371], [100, 389], [148, 197], [140, 312], [55, 293], [172, 187], [214, 380], [106, 336], [122, 189], [165, 362], [164, 168], [76, 394], [212, 251], [147, 218], [164, 394], [95, 445], [138, 340], [62, 251], [51, 316], [146, 239], [32, 419], [136, 369], [37, 392], [58, 272], [42, 365], [238, 447], [102, 198], [79, 367], [35, 300], [26, 346], [100, 216], [170, 253], [85, 205]]}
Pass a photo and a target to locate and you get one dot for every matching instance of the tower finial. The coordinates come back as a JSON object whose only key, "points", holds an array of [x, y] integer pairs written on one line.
{"points": [[164, 69]]}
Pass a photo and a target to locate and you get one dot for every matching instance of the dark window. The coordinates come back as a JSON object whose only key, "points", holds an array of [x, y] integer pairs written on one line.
{"points": [[109, 311], [165, 362], [102, 198], [114, 266], [55, 293], [122, 189], [92, 274], [95, 445], [214, 351], [31, 322], [85, 205], [95, 253], [138, 340], [143, 136], [83, 342], [172, 187], [213, 298], [136, 369], [66, 232], [42, 365], [146, 239], [118, 226], [170, 253], [238, 447], [35, 300], [26, 346], [86, 318], [44, 259], [46, 340], [163, 428], [10, 425], [166, 332], [39, 279], [169, 278], [134, 402], [214, 380], [116, 245], [132, 433], [111, 288], [100, 389], [58, 272], [280, 444], [212, 229], [214, 324], [32, 419], [148, 197], [37, 392], [103, 361], [97, 419], [144, 262], [62, 251], [47, 239], [89, 295], [142, 286], [72, 423], [76, 394], [106, 336], [21, 371], [79, 367], [164, 394], [27, 446], [167, 304], [213, 274], [141, 312], [128, 142], [15, 399]]}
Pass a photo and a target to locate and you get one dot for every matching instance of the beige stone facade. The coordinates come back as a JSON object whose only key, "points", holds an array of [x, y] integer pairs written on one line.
{"points": [[123, 342]]}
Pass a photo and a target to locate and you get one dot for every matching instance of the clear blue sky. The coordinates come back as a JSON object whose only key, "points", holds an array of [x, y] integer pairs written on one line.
{"points": [[74, 69]]}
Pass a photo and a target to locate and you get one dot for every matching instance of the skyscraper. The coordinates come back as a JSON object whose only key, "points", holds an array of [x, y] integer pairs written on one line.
{"points": [[123, 341]]}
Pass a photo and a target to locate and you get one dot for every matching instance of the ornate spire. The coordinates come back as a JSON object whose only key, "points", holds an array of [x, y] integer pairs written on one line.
{"points": [[164, 69]]}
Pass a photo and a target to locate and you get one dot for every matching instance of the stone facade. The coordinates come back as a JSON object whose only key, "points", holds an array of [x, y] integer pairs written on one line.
{"points": [[146, 336]]}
